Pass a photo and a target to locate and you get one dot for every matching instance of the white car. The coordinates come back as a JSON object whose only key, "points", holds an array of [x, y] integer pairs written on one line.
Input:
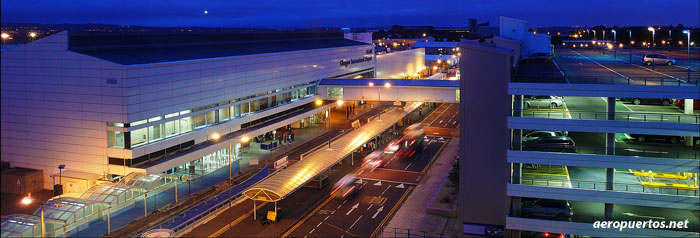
{"points": [[543, 101], [650, 59]]}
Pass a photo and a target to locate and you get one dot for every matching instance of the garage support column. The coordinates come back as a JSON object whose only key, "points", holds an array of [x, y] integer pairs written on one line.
{"points": [[517, 169], [610, 145], [688, 109], [516, 139]]}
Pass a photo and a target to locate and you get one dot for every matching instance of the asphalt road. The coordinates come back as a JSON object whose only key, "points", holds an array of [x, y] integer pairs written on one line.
{"points": [[591, 66], [381, 193], [444, 121]]}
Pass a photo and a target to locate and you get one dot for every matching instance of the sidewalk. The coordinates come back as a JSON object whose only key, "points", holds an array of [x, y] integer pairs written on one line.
{"points": [[413, 214]]}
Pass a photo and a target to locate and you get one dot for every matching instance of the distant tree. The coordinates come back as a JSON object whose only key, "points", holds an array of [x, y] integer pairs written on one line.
{"points": [[680, 26]]}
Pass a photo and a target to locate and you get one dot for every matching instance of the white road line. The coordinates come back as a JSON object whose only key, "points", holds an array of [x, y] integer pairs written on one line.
{"points": [[312, 231], [353, 224], [319, 224], [409, 165], [560, 71], [370, 206], [387, 188], [611, 70], [326, 218]]}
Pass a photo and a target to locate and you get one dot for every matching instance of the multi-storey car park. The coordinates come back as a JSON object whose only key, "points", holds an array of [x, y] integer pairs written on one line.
{"points": [[105, 105], [606, 169]]}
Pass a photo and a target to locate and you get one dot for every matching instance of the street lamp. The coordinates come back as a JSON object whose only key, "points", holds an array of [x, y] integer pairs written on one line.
{"points": [[4, 37], [687, 32], [614, 35], [603, 34], [653, 35], [27, 200], [32, 35], [594, 37], [630, 31]]}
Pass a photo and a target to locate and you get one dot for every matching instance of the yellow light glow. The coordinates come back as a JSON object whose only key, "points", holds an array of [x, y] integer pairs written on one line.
{"points": [[386, 85], [621, 45], [632, 42], [371, 84], [435, 67], [5, 35], [319, 102], [340, 102], [439, 61], [692, 43], [245, 139], [215, 136], [315, 66], [663, 42], [593, 42], [650, 29], [680, 42], [32, 35], [26, 200], [610, 46]]}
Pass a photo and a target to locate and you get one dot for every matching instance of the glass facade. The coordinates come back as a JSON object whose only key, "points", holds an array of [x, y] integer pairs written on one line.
{"points": [[175, 127], [335, 92], [115, 139]]}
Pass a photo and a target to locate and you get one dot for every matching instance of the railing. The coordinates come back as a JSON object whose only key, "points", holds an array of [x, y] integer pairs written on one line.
{"points": [[407, 233], [632, 80], [596, 185], [692, 153], [619, 116]]}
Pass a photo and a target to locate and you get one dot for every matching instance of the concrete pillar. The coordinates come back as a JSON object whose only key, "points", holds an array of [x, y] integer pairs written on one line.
{"points": [[610, 144], [688, 106]]}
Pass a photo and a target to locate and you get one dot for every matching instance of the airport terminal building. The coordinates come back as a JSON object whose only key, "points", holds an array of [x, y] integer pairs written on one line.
{"points": [[106, 104]]}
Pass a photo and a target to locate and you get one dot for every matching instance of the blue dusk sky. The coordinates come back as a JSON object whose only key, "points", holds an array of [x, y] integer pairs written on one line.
{"points": [[350, 13]]}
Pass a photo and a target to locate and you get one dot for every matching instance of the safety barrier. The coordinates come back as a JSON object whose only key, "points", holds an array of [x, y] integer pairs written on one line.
{"points": [[622, 187], [201, 210]]}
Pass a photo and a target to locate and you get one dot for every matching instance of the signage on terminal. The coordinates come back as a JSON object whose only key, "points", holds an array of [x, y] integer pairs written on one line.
{"points": [[345, 63]]}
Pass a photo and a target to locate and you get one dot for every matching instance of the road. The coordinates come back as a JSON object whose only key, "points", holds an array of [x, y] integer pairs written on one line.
{"points": [[444, 121], [381, 193]]}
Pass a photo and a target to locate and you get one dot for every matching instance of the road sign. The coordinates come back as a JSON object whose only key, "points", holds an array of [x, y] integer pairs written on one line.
{"points": [[271, 215]]}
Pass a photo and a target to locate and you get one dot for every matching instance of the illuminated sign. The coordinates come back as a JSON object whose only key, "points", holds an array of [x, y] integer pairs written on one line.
{"points": [[345, 63]]}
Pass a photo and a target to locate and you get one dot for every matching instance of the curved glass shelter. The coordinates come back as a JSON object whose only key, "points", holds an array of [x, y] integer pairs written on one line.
{"points": [[23, 225], [149, 182], [72, 211], [112, 194]]}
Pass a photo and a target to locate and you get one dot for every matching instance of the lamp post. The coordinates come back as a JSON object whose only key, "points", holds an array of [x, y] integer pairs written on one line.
{"points": [[379, 98], [688, 33], [60, 170], [653, 43], [614, 35], [603, 35]]}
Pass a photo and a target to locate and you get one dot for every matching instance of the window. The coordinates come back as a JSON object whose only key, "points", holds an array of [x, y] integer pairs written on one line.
{"points": [[155, 132], [172, 128], [115, 139], [224, 114], [185, 124], [136, 123], [211, 117], [198, 120], [115, 124], [245, 108], [335, 92], [139, 137], [154, 119]]}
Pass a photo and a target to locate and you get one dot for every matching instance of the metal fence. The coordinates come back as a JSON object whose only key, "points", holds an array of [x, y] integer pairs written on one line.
{"points": [[619, 116], [691, 153], [597, 185]]}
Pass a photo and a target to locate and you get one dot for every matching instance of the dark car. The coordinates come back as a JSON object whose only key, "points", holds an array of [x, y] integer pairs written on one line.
{"points": [[660, 138], [557, 209], [551, 144], [637, 101], [543, 57]]}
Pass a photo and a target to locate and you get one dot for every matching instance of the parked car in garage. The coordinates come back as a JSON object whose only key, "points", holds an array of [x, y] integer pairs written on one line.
{"points": [[638, 101], [657, 138], [543, 57], [557, 209], [533, 135], [681, 103], [542, 101], [650, 59], [562, 144]]}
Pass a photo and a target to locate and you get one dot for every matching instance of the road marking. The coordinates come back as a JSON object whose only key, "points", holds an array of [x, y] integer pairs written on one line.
{"points": [[635, 215], [378, 183], [353, 224], [326, 218], [403, 171], [390, 181], [611, 70], [370, 206], [639, 66], [398, 186], [560, 71], [391, 211], [330, 197], [409, 165], [387, 188], [353, 208], [312, 231], [435, 156], [378, 211]]}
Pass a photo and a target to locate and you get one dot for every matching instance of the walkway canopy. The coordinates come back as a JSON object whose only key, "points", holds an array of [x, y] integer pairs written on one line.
{"points": [[283, 183], [70, 210], [112, 194], [149, 182], [22, 225]]}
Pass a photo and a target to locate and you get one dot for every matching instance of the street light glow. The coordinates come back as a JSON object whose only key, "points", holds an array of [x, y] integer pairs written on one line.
{"points": [[5, 35], [319, 102], [340, 102], [651, 29], [26, 200], [371, 84], [215, 136], [32, 35], [387, 85], [245, 139]]}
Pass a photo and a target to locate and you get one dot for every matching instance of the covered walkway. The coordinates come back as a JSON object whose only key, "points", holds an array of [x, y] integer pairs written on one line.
{"points": [[285, 182], [406, 90]]}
